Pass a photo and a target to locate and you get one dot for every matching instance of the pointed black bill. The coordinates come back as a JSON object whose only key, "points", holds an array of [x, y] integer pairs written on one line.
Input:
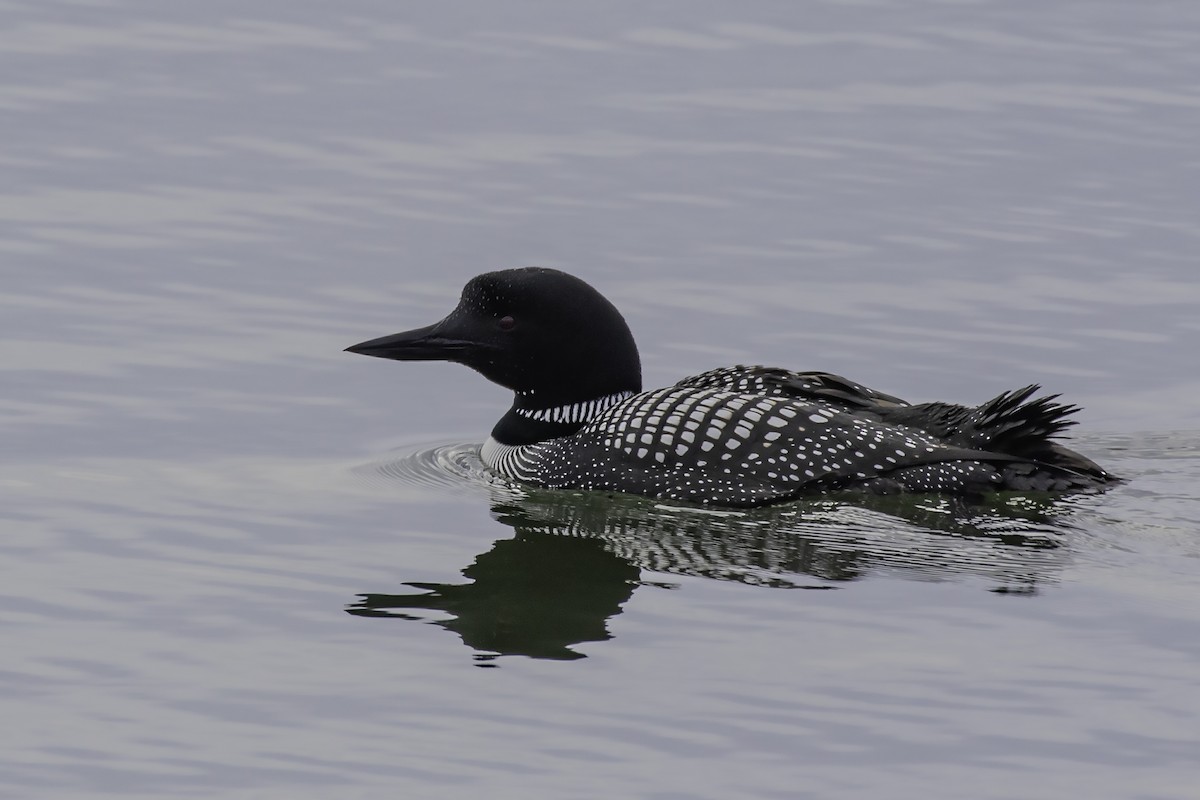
{"points": [[435, 342]]}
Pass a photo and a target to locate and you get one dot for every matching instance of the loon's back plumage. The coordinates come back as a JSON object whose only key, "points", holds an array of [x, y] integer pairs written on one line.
{"points": [[737, 436], [1014, 423]]}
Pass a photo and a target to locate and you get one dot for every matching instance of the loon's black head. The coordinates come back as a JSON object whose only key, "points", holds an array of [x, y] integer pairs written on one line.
{"points": [[547, 335]]}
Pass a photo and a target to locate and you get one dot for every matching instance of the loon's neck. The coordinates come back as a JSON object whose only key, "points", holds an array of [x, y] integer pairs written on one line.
{"points": [[530, 421]]}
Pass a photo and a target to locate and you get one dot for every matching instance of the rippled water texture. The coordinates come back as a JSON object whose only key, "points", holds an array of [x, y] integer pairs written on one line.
{"points": [[241, 563]]}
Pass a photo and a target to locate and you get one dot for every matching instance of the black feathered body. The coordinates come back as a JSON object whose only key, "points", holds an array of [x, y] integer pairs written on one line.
{"points": [[749, 436]]}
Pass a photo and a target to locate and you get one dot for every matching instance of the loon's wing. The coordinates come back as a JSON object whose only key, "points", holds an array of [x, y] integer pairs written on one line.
{"points": [[817, 387], [1014, 423]]}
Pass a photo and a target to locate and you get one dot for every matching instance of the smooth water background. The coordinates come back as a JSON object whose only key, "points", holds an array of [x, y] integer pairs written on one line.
{"points": [[201, 204]]}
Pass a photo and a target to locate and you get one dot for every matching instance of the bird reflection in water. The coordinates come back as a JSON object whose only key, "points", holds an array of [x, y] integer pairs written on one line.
{"points": [[576, 558]]}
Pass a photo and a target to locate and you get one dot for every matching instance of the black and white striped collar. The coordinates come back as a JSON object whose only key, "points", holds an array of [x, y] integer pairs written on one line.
{"points": [[575, 412]]}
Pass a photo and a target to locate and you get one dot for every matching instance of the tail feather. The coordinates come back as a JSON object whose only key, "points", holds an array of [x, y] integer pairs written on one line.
{"points": [[1017, 424]]}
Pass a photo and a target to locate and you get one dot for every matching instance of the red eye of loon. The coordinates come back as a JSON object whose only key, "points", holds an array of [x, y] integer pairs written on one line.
{"points": [[507, 323]]}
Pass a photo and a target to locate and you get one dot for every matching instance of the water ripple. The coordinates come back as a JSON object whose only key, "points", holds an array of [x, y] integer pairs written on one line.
{"points": [[1018, 540], [453, 467]]}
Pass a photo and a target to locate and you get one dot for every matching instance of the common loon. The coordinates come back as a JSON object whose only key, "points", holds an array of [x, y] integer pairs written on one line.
{"points": [[734, 437]]}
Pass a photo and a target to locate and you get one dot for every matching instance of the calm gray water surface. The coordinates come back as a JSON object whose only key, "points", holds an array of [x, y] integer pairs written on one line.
{"points": [[201, 204]]}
